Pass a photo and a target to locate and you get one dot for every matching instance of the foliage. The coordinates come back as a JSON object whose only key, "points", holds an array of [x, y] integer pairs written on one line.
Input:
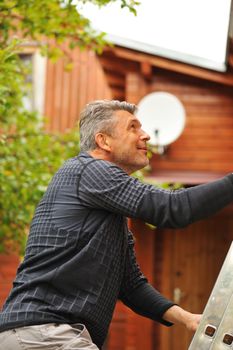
{"points": [[28, 155], [58, 21], [27, 164]]}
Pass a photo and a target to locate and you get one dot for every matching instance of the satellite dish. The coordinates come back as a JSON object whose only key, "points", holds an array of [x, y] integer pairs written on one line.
{"points": [[162, 116]]}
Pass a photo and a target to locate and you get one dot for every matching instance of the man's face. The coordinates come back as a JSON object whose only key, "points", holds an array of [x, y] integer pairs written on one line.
{"points": [[128, 147]]}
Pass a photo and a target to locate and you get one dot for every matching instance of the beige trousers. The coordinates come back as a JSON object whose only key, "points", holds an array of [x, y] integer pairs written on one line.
{"points": [[50, 336]]}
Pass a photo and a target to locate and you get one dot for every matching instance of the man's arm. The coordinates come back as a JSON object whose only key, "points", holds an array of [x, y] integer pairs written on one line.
{"points": [[182, 207], [145, 300], [148, 302], [105, 186]]}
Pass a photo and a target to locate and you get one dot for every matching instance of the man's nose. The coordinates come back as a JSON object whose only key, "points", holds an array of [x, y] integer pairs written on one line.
{"points": [[145, 136]]}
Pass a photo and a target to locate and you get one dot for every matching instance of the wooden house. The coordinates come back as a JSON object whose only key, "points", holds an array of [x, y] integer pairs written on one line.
{"points": [[182, 264]]}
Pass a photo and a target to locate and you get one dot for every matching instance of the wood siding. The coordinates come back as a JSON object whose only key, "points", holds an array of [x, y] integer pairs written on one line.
{"points": [[67, 92], [191, 259], [206, 143], [8, 267]]}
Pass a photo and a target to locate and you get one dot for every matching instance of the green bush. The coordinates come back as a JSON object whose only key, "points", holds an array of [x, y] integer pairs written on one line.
{"points": [[27, 163], [28, 155]]}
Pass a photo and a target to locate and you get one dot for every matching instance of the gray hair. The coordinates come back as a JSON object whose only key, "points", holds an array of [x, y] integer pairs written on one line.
{"points": [[98, 116]]}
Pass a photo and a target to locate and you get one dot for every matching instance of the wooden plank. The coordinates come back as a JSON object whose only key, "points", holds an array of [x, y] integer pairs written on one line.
{"points": [[204, 155], [103, 91], [65, 101], [58, 81], [134, 56], [49, 94], [91, 76], [136, 87], [74, 90], [203, 143], [116, 65], [117, 93], [83, 74], [146, 70], [214, 166], [203, 120], [115, 80], [183, 177], [213, 132]]}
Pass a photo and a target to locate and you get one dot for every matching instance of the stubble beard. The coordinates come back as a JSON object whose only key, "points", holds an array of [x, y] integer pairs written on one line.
{"points": [[130, 163]]}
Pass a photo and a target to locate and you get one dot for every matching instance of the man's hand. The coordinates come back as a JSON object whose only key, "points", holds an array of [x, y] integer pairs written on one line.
{"points": [[177, 315], [193, 321]]}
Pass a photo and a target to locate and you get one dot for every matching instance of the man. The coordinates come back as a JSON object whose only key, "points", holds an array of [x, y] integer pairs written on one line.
{"points": [[79, 257]]}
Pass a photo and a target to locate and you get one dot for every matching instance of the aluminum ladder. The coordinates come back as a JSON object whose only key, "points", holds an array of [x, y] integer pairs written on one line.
{"points": [[215, 331]]}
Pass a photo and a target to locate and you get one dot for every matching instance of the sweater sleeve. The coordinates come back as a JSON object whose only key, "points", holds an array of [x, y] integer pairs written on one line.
{"points": [[105, 186], [137, 293], [132, 276], [180, 208], [148, 302]]}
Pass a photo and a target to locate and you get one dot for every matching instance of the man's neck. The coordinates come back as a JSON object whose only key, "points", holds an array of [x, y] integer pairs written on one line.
{"points": [[100, 154]]}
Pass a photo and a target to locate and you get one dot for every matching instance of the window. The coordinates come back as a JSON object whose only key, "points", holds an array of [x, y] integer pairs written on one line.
{"points": [[36, 78]]}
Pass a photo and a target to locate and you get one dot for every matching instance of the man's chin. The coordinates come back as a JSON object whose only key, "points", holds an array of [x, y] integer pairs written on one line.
{"points": [[141, 165], [145, 163]]}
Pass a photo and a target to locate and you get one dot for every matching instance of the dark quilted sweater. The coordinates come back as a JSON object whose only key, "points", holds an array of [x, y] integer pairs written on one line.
{"points": [[80, 254]]}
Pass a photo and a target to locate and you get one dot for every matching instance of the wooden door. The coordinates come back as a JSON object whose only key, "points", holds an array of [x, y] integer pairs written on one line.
{"points": [[191, 259]]}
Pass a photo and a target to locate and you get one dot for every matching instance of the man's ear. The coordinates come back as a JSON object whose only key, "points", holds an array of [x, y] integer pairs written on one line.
{"points": [[102, 141]]}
